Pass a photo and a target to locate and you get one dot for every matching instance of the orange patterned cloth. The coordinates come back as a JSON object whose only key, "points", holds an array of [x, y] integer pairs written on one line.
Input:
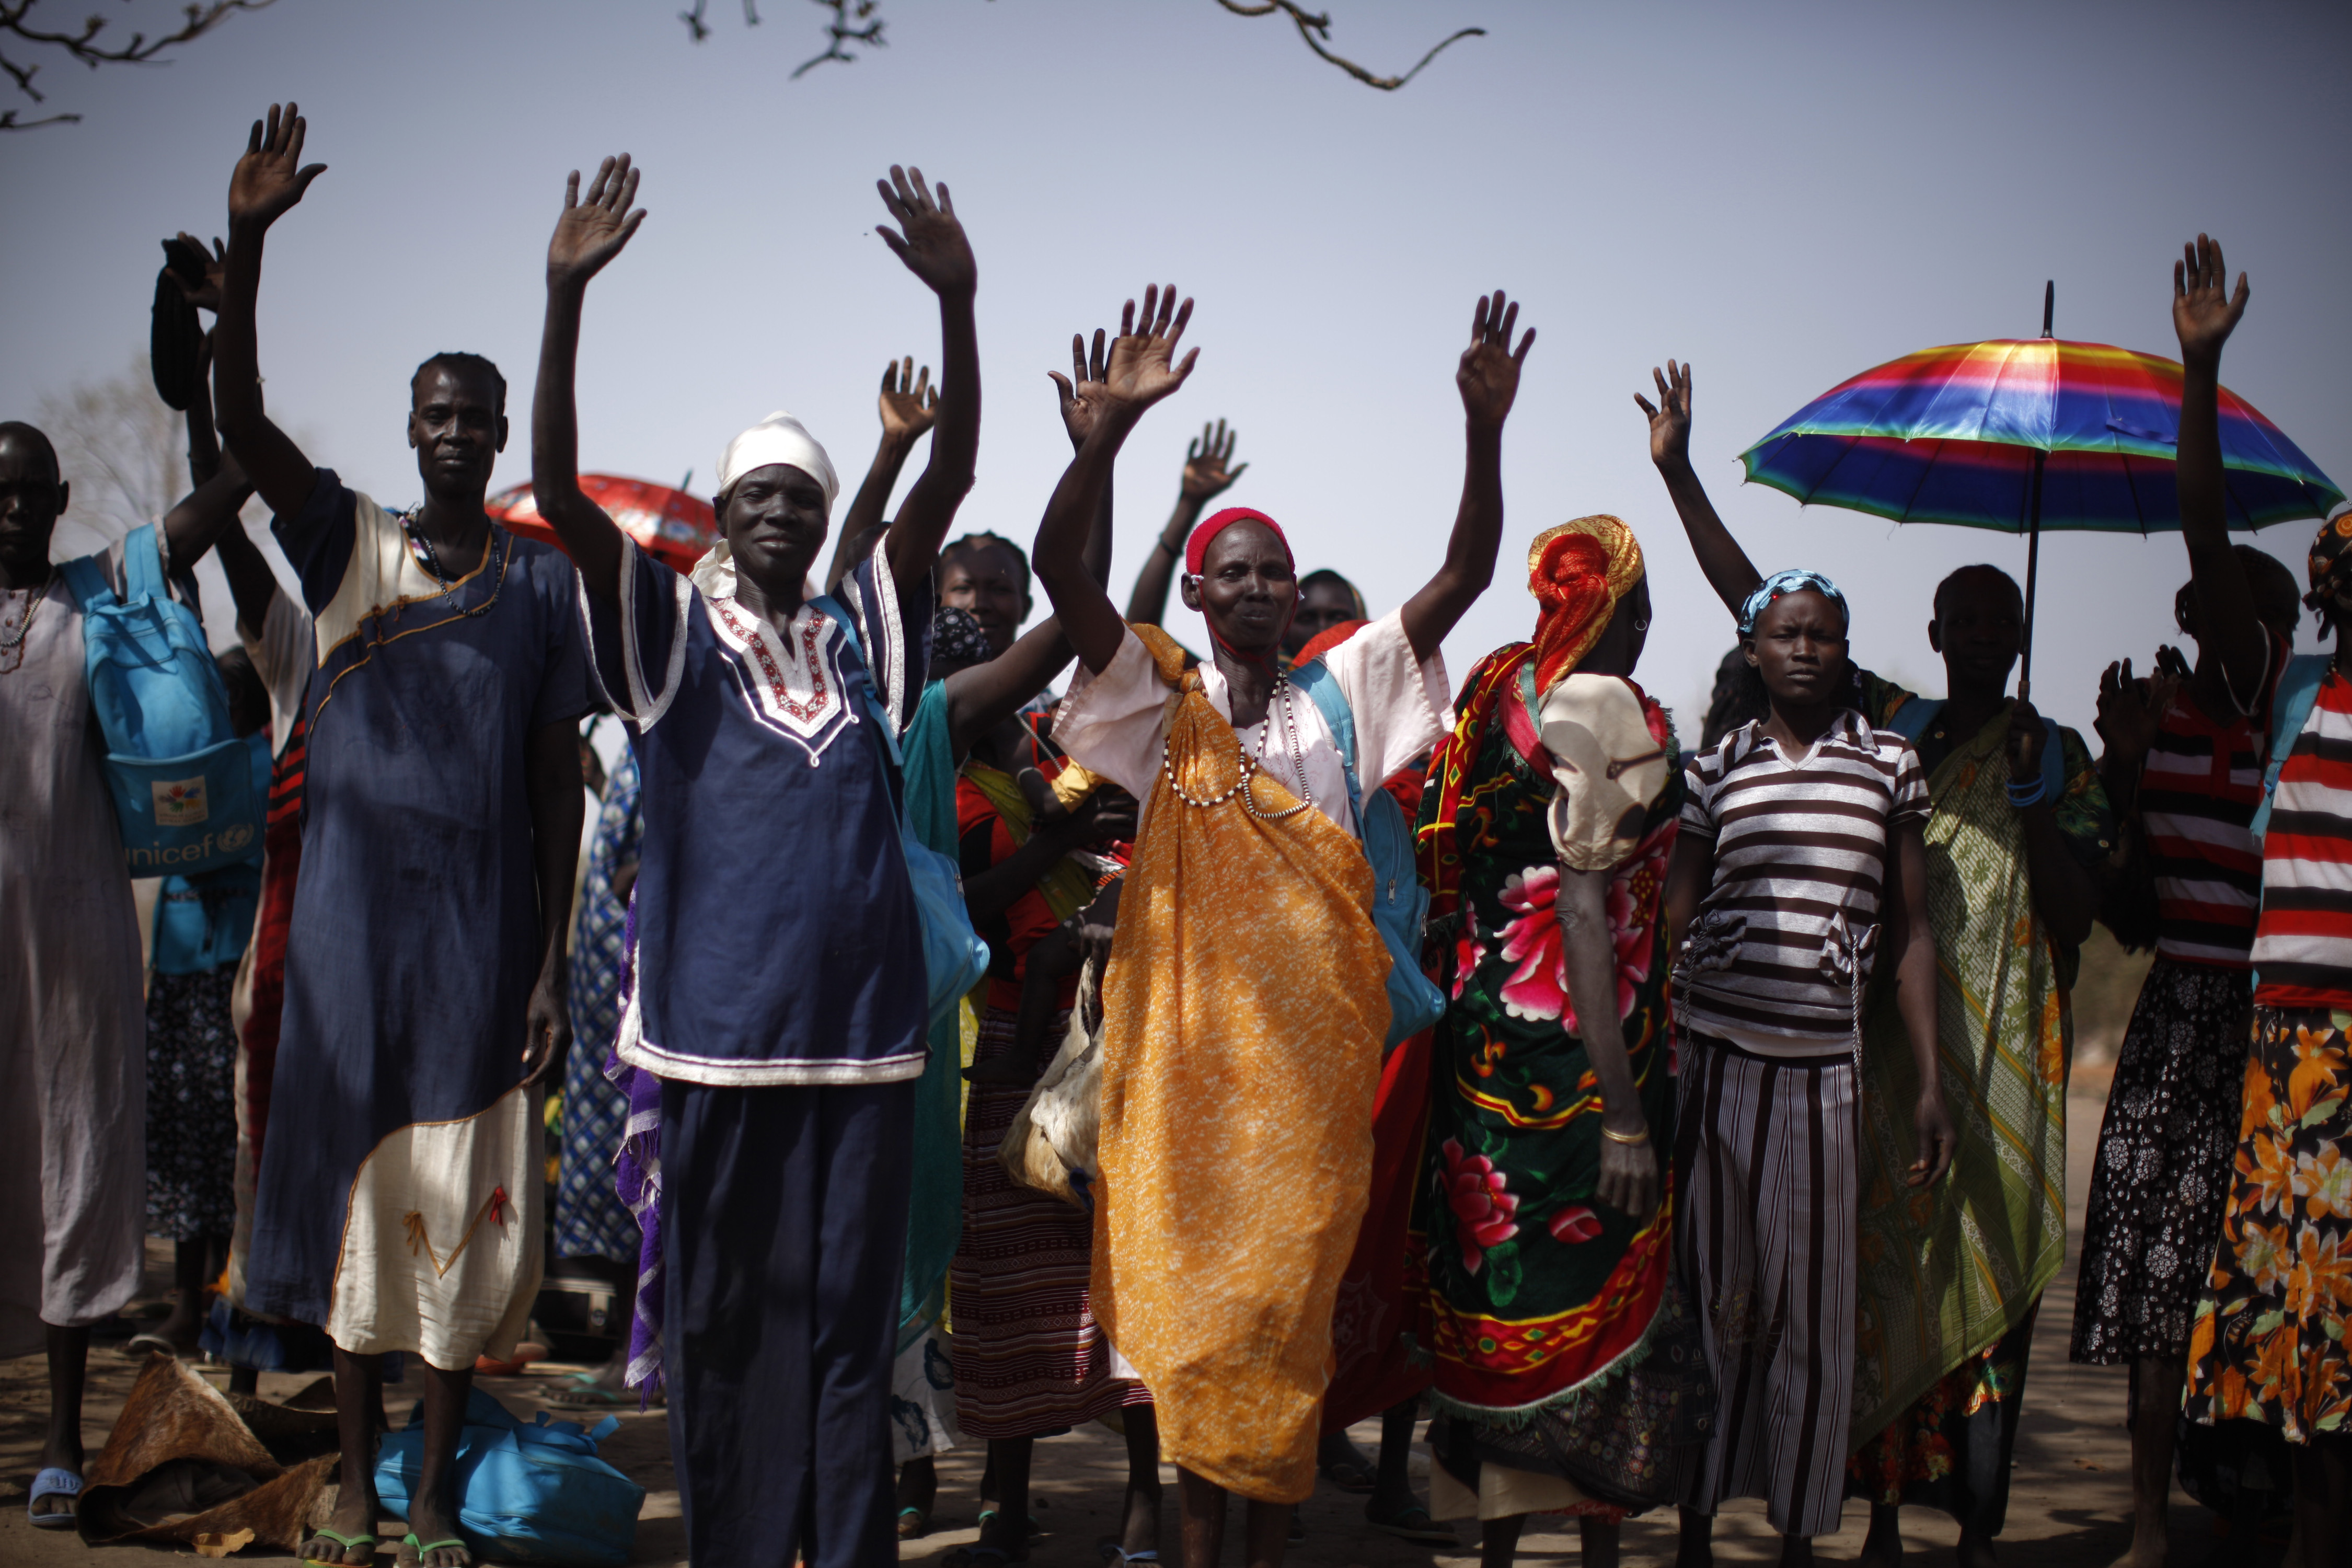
{"points": [[1243, 1018]]}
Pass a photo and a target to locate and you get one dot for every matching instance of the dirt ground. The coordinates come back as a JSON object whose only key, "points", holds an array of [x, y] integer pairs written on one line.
{"points": [[2068, 1506]]}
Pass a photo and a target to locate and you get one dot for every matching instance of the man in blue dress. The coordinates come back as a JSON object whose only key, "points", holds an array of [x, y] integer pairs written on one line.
{"points": [[398, 1202]]}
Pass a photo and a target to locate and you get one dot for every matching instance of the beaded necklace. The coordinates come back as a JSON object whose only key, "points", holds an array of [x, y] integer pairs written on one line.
{"points": [[1251, 766], [33, 598]]}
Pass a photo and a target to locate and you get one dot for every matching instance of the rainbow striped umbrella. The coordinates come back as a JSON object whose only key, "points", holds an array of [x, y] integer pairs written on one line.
{"points": [[2026, 434], [1950, 435]]}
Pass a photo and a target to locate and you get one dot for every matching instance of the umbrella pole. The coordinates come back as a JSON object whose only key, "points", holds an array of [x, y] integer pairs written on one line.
{"points": [[2032, 569], [2033, 525]]}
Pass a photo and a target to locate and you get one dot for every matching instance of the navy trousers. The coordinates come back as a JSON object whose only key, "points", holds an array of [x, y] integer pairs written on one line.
{"points": [[783, 1228]]}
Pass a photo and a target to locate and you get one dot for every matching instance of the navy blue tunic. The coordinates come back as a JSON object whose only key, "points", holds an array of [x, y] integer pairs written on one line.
{"points": [[778, 939], [415, 939]]}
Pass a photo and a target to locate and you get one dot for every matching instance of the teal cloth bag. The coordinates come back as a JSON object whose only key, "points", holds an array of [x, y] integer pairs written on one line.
{"points": [[203, 921], [954, 958], [935, 1210], [182, 783], [1400, 903], [532, 1493]]}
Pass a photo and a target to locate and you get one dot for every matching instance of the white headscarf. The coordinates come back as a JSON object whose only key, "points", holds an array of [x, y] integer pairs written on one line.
{"points": [[778, 439]]}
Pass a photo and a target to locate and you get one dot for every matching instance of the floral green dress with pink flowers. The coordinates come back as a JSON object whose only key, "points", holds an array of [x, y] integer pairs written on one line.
{"points": [[1542, 1304]]}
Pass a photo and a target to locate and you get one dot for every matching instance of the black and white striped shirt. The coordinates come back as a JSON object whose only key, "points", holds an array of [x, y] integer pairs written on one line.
{"points": [[1800, 858]]}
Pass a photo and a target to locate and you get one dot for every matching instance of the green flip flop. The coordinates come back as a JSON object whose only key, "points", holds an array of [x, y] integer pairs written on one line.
{"points": [[417, 1549], [343, 1544]]}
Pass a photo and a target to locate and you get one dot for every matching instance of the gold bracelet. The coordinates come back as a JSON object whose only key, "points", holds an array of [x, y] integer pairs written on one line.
{"points": [[1616, 1137]]}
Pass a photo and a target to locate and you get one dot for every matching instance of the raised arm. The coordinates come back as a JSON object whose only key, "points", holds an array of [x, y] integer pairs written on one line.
{"points": [[932, 243], [1209, 472], [985, 696], [587, 234], [2204, 313], [203, 435], [269, 180], [909, 407], [1136, 375], [251, 584], [1729, 571], [207, 514], [1488, 377]]}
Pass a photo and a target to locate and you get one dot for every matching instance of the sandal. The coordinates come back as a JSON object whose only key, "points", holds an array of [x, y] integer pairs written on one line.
{"points": [[913, 1522], [413, 1550], [343, 1544], [1112, 1552], [54, 1481], [1351, 1476], [1412, 1523]]}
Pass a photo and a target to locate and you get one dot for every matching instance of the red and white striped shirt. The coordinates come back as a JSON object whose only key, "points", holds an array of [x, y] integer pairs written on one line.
{"points": [[2304, 944], [2197, 791]]}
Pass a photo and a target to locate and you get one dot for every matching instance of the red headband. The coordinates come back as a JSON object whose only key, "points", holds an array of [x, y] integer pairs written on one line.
{"points": [[1196, 549]]}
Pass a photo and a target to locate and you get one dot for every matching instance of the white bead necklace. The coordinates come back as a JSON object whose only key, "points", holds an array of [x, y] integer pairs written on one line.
{"points": [[1251, 766]]}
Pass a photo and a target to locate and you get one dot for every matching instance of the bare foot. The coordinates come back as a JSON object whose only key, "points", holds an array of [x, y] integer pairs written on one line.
{"points": [[354, 1516], [432, 1520]]}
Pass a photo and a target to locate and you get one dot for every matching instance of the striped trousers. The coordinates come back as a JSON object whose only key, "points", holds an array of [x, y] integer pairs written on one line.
{"points": [[1766, 1157]]}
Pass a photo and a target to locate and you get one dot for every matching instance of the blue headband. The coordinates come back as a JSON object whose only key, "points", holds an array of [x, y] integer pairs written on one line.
{"points": [[1794, 580]]}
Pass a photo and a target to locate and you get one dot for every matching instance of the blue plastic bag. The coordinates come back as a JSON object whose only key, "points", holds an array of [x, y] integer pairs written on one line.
{"points": [[526, 1493], [182, 783], [954, 956]]}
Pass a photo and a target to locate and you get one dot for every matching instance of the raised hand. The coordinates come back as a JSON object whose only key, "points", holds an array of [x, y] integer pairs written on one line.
{"points": [[204, 296], [271, 177], [588, 234], [1138, 374], [910, 406], [1082, 390], [1206, 471], [2131, 711], [1489, 373], [928, 239], [2204, 313], [1670, 416]]}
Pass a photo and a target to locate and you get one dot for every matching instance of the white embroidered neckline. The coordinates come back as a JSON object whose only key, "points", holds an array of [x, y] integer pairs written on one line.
{"points": [[790, 680]]}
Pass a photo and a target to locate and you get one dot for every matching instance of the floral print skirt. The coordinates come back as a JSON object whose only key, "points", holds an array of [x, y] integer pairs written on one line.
{"points": [[2163, 1170], [2267, 1341]]}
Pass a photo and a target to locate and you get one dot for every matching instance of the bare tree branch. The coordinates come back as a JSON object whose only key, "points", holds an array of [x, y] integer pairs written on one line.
{"points": [[838, 32], [16, 23], [697, 29], [1315, 28], [844, 29]]}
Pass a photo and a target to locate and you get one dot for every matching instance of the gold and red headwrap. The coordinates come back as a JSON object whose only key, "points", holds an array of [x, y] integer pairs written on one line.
{"points": [[1578, 571]]}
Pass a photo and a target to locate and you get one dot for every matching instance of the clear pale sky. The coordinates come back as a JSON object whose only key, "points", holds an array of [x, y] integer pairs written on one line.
{"points": [[1785, 194]]}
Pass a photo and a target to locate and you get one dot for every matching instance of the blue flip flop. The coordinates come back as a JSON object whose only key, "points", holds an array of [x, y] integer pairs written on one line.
{"points": [[53, 1482]]}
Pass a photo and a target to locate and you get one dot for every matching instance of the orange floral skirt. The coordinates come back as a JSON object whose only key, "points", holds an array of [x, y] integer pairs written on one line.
{"points": [[2268, 1339]]}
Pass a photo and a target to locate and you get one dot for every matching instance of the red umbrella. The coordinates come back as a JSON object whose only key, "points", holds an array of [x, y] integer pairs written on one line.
{"points": [[670, 525]]}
